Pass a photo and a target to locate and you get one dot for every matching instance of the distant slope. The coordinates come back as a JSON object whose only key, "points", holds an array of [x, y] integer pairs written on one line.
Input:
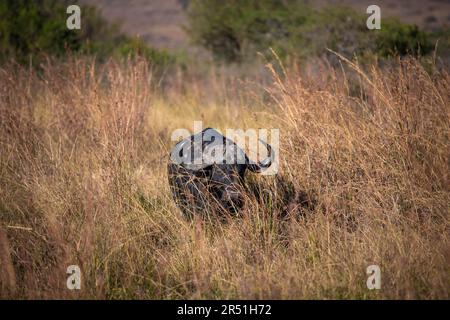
{"points": [[158, 22]]}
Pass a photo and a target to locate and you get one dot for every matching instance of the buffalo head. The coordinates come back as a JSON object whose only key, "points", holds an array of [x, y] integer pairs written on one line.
{"points": [[207, 170]]}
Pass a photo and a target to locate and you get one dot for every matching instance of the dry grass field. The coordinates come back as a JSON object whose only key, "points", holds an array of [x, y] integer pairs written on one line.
{"points": [[364, 179]]}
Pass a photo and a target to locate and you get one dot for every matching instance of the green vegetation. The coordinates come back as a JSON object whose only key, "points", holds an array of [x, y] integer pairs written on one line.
{"points": [[233, 31], [399, 38], [237, 30], [30, 30]]}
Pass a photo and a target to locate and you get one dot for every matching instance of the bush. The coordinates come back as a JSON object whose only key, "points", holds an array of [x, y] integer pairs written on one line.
{"points": [[399, 38], [233, 28], [236, 30], [30, 30], [133, 47]]}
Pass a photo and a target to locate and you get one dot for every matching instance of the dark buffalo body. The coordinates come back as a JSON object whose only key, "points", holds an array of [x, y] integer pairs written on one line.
{"points": [[206, 173]]}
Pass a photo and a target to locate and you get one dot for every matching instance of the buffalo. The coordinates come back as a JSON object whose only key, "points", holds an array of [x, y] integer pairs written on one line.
{"points": [[206, 171]]}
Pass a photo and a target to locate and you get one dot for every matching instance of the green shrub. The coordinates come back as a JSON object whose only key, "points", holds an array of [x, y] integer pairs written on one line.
{"points": [[236, 30], [395, 37], [232, 28], [132, 47], [30, 30]]}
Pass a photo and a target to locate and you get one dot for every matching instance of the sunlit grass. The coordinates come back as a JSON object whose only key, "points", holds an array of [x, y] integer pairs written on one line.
{"points": [[364, 179]]}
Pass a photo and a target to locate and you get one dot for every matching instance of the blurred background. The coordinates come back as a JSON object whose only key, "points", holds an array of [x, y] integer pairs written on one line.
{"points": [[179, 31], [161, 22]]}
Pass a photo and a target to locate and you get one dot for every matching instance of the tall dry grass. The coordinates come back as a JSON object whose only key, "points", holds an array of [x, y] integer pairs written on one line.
{"points": [[364, 179]]}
